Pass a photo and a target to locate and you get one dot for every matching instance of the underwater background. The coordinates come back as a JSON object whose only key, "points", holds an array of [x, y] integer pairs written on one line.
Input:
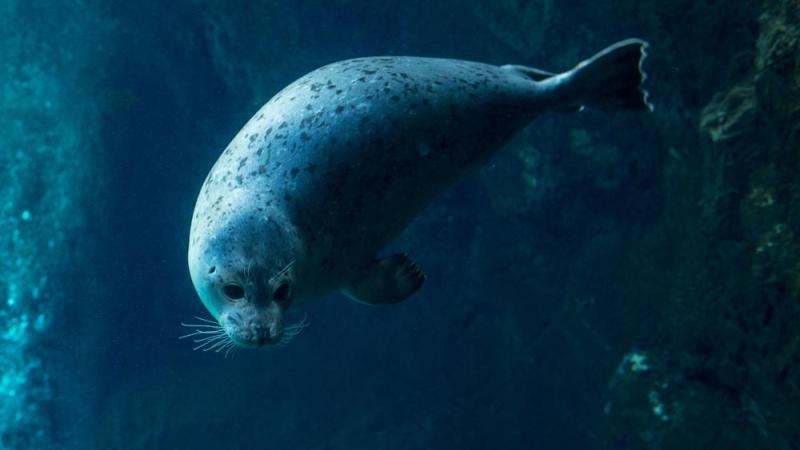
{"points": [[608, 281]]}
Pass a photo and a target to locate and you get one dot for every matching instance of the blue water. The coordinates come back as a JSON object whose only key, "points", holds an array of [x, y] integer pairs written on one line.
{"points": [[548, 317]]}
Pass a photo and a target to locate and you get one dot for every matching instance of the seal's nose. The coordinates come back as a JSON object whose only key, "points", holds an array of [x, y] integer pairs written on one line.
{"points": [[259, 333], [258, 329], [264, 333]]}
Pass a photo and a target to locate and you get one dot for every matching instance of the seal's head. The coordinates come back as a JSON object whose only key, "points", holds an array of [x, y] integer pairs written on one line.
{"points": [[246, 279], [248, 303]]}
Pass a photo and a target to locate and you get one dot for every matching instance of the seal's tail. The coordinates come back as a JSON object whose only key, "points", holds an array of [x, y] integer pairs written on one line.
{"points": [[611, 79]]}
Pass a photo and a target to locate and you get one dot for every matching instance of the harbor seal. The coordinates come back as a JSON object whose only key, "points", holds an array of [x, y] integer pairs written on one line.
{"points": [[339, 162]]}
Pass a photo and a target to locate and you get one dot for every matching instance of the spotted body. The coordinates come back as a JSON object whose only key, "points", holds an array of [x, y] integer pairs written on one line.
{"points": [[338, 163]]}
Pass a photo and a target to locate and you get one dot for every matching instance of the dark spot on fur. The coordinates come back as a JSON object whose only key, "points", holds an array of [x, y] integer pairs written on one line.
{"points": [[339, 109], [295, 171]]}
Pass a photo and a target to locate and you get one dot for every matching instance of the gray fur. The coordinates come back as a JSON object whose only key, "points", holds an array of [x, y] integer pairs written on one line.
{"points": [[338, 163]]}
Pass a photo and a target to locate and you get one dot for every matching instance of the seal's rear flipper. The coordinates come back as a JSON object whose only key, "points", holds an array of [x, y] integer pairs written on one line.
{"points": [[611, 79], [387, 281]]}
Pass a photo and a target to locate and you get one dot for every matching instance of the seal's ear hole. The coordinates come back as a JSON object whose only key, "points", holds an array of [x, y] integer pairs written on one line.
{"points": [[233, 291], [282, 293], [212, 269]]}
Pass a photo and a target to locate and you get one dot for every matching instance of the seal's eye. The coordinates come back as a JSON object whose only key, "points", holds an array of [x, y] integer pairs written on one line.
{"points": [[233, 291], [282, 293]]}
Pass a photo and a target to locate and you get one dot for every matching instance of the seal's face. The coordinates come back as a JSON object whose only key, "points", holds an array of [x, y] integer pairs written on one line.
{"points": [[248, 303], [243, 268]]}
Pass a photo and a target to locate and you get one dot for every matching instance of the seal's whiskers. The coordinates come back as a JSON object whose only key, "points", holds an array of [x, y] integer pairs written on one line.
{"points": [[209, 339], [199, 325], [200, 333], [299, 325], [248, 272], [218, 345], [212, 322], [292, 331], [210, 336], [215, 341], [282, 272], [231, 347]]}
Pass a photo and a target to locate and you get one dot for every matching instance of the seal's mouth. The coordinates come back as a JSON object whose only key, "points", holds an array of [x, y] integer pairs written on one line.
{"points": [[260, 334], [254, 333], [229, 334], [253, 328]]}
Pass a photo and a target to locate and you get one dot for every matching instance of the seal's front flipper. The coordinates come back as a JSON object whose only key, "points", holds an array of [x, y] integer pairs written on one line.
{"points": [[387, 281]]}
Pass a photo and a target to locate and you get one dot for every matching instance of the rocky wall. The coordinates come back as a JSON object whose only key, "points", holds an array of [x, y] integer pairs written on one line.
{"points": [[48, 186]]}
